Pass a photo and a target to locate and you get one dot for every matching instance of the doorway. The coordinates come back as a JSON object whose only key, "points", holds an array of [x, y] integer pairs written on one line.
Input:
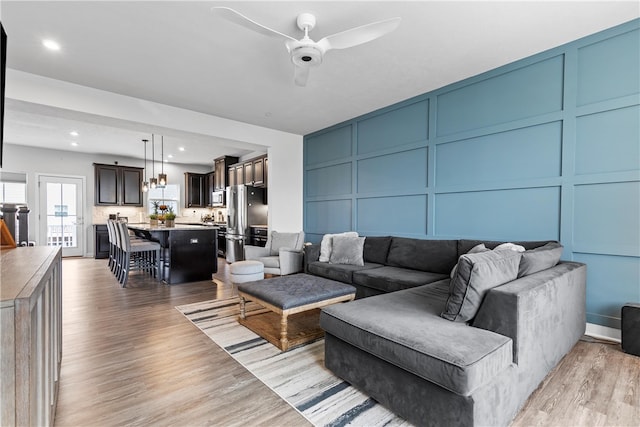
{"points": [[61, 213]]}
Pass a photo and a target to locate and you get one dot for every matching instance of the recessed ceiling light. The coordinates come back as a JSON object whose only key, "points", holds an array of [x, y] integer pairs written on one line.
{"points": [[51, 44], [181, 148], [75, 144], [170, 156], [73, 133]]}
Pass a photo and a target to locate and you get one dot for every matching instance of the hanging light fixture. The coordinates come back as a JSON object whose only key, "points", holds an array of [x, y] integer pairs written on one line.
{"points": [[145, 184], [153, 181], [162, 177]]}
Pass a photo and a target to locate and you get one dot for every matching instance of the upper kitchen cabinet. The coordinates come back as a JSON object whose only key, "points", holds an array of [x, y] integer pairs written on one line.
{"points": [[194, 190], [221, 171], [251, 172], [118, 185], [209, 187]]}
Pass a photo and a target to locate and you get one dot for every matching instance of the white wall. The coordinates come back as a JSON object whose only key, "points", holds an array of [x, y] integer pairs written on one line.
{"points": [[284, 149]]}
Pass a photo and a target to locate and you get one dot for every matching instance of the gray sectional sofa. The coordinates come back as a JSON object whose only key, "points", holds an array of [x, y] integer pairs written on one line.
{"points": [[441, 348]]}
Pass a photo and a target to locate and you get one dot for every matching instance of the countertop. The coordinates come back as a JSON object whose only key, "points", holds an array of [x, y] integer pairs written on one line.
{"points": [[148, 227]]}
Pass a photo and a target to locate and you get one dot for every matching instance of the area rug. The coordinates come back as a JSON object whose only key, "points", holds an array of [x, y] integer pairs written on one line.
{"points": [[298, 376]]}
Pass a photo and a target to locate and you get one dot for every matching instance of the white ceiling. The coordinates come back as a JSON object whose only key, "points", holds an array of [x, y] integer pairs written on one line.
{"points": [[181, 54]]}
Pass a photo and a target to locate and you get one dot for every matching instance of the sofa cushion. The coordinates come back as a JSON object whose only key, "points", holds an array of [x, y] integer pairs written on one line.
{"points": [[347, 250], [475, 275], [434, 256], [327, 242], [391, 279], [270, 261], [540, 258], [340, 272], [376, 249], [405, 328]]}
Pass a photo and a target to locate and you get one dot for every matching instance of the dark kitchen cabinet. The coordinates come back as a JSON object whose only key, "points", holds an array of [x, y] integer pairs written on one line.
{"points": [[258, 172], [247, 170], [239, 173], [251, 172], [209, 187], [101, 239], [221, 170], [194, 190], [117, 185]]}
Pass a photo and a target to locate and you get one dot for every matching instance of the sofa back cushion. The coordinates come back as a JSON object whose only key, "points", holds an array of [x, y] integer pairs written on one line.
{"points": [[434, 256], [540, 258], [286, 240], [376, 249], [475, 276]]}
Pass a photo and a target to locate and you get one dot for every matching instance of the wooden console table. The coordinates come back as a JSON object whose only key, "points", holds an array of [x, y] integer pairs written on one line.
{"points": [[31, 341]]}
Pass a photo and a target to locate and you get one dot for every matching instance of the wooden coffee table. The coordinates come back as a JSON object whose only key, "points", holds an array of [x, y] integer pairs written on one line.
{"points": [[292, 307]]}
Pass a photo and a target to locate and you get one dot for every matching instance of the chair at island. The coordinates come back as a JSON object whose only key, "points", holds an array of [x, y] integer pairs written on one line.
{"points": [[282, 255], [131, 255]]}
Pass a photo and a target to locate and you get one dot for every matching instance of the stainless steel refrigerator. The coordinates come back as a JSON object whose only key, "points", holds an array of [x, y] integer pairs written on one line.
{"points": [[246, 206]]}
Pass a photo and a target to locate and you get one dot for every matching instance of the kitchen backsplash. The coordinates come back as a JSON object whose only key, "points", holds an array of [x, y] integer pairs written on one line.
{"points": [[135, 215]]}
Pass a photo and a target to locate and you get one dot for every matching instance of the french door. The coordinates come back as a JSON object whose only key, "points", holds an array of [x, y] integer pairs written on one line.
{"points": [[61, 213]]}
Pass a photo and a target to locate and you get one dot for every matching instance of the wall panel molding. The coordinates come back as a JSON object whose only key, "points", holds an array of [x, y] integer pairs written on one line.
{"points": [[547, 147]]}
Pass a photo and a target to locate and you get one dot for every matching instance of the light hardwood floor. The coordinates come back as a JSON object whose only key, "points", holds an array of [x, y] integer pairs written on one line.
{"points": [[130, 358]]}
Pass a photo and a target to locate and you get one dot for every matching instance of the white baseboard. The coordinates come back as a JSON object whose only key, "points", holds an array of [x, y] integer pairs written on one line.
{"points": [[603, 332]]}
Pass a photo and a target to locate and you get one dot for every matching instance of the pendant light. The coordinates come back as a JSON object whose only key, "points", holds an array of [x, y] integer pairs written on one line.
{"points": [[162, 177], [153, 181], [145, 184]]}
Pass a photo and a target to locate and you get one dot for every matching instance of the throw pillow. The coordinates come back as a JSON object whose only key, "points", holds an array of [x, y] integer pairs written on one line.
{"points": [[325, 244], [347, 250], [476, 275], [474, 250], [510, 246], [540, 258]]}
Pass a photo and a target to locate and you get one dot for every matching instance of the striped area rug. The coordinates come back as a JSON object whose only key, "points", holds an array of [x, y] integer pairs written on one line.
{"points": [[298, 376]]}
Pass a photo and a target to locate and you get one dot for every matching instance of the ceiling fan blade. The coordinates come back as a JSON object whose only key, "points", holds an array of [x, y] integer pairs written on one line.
{"points": [[301, 75], [239, 19], [359, 35]]}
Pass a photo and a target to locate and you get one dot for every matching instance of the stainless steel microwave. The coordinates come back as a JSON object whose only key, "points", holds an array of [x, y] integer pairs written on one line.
{"points": [[217, 198]]}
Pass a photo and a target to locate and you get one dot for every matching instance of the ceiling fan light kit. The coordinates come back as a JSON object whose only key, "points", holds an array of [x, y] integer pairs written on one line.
{"points": [[306, 53]]}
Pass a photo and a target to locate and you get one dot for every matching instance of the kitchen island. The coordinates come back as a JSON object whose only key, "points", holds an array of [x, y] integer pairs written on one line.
{"points": [[189, 251]]}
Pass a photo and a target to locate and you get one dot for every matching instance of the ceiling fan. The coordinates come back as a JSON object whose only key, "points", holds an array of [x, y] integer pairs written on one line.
{"points": [[306, 53]]}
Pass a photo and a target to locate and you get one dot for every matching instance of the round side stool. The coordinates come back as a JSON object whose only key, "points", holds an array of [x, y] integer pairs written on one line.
{"points": [[246, 271]]}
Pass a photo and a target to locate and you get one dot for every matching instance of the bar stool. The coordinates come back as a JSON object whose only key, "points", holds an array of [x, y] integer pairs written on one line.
{"points": [[112, 246], [140, 254]]}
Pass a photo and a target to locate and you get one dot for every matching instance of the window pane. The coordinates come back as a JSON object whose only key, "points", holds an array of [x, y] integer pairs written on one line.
{"points": [[13, 192]]}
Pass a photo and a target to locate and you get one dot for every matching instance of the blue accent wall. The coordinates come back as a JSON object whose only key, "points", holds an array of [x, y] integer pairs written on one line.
{"points": [[544, 148]]}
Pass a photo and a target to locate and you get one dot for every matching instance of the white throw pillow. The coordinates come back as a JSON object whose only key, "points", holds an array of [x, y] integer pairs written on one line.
{"points": [[326, 244], [510, 246]]}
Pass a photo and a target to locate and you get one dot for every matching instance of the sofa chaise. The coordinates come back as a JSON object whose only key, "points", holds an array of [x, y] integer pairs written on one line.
{"points": [[441, 347]]}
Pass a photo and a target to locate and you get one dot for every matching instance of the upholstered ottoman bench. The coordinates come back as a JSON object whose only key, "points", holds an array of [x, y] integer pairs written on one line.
{"points": [[292, 307]]}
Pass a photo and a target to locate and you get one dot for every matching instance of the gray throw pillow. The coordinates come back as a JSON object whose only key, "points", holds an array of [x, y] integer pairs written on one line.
{"points": [[326, 244], [474, 250], [347, 250], [540, 258], [476, 275]]}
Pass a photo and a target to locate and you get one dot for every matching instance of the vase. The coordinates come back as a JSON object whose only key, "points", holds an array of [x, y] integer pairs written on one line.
{"points": [[169, 222], [153, 222]]}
